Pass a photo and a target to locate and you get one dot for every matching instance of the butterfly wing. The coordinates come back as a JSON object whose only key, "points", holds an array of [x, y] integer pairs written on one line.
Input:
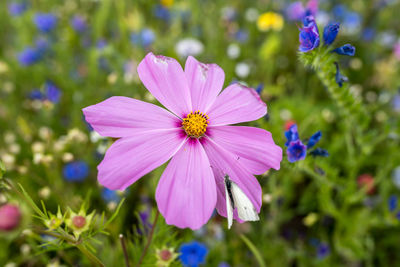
{"points": [[229, 210], [245, 207]]}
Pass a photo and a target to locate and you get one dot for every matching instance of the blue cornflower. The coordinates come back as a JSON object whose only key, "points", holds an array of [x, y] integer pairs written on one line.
{"points": [[162, 12], [79, 24], [193, 254], [340, 79], [147, 37], [309, 35], [323, 250], [17, 8], [330, 32], [347, 50], [242, 36], [296, 151], [109, 195], [314, 139], [319, 152], [45, 22], [53, 94], [392, 203], [29, 56], [76, 171], [291, 134], [36, 94]]}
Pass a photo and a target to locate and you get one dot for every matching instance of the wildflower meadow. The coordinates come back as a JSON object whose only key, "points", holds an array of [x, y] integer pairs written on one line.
{"points": [[199, 133]]}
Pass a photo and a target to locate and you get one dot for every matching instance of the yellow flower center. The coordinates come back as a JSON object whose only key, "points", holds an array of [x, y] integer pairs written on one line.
{"points": [[195, 124]]}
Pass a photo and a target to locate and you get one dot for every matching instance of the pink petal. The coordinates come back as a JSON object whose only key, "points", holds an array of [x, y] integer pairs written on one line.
{"points": [[224, 162], [186, 193], [254, 146], [166, 81], [129, 158], [120, 116], [236, 104], [205, 82]]}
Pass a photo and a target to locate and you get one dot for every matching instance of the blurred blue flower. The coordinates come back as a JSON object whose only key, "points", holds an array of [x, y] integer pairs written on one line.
{"points": [[296, 151], [352, 21], [291, 134], [396, 102], [145, 38], [319, 152], [368, 34], [193, 254], [36, 94], [42, 45], [242, 36], [162, 12], [309, 36], [392, 203], [339, 11], [101, 44], [52, 93], [29, 56], [314, 139], [347, 50], [109, 195], [79, 24], [323, 251], [45, 22], [76, 171], [330, 32], [17, 8], [340, 79], [223, 264], [398, 215]]}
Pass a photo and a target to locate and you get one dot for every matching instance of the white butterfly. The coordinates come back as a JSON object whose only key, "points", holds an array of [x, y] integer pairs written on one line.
{"points": [[235, 197]]}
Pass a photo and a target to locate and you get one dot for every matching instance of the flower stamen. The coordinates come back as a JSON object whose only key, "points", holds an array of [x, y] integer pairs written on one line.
{"points": [[195, 124]]}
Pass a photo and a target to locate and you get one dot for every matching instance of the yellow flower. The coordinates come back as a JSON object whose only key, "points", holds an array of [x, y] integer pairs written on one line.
{"points": [[167, 3], [270, 20]]}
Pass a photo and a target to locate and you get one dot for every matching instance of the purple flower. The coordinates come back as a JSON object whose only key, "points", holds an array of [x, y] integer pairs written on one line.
{"points": [[291, 134], [45, 22], [340, 79], [312, 7], [52, 93], [76, 171], [330, 32], [145, 38], [323, 251], [314, 139], [242, 36], [29, 56], [17, 8], [296, 151], [347, 50], [295, 11], [396, 102], [309, 36], [392, 203], [79, 24], [193, 254]]}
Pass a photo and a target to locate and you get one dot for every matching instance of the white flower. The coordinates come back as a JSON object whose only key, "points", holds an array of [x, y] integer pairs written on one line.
{"points": [[189, 47], [233, 51], [242, 70]]}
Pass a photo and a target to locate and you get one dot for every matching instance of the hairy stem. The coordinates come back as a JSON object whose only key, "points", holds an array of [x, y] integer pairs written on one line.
{"points": [[149, 238]]}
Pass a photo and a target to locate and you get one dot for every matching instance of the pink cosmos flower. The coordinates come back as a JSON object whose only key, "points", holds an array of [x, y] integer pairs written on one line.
{"points": [[194, 133]]}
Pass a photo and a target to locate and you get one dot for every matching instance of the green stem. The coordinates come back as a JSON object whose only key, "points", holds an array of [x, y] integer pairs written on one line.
{"points": [[254, 250], [149, 238], [90, 255]]}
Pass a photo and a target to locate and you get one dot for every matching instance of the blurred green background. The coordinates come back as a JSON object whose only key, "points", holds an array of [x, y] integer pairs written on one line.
{"points": [[316, 212]]}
